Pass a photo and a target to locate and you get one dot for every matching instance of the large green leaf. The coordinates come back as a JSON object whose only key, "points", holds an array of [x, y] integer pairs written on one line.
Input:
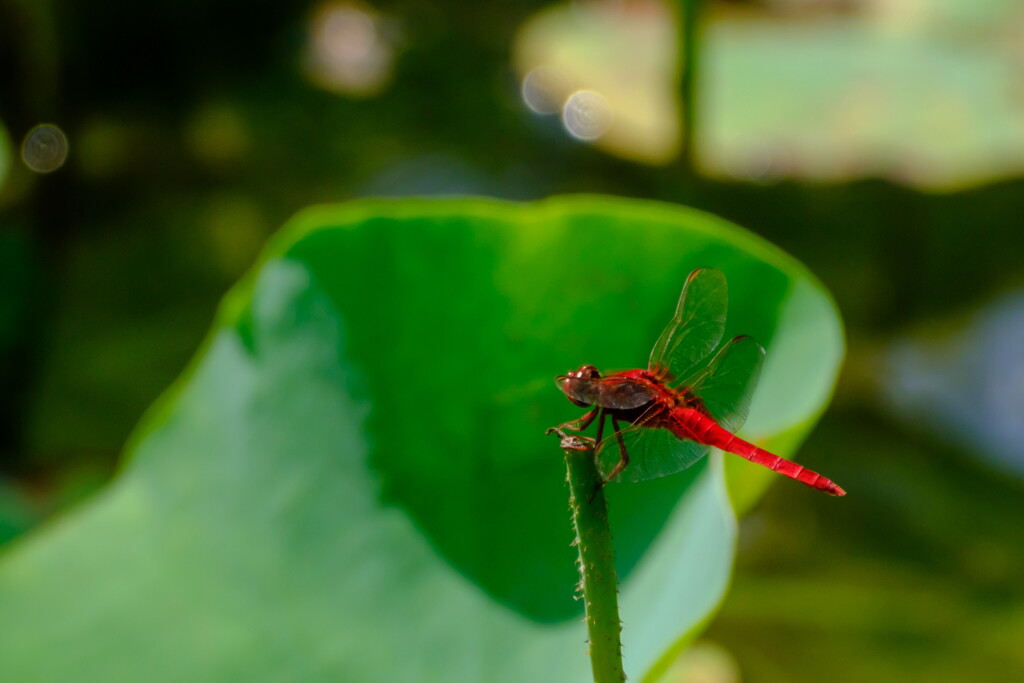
{"points": [[352, 481]]}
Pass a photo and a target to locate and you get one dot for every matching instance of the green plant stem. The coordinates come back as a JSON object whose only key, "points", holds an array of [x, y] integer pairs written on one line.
{"points": [[598, 582], [690, 17]]}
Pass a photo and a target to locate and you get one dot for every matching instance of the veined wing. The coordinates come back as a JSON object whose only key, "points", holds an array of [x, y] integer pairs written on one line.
{"points": [[607, 392], [696, 328], [727, 384], [653, 452]]}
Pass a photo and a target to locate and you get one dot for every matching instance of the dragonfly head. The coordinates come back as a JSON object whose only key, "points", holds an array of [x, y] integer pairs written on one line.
{"points": [[578, 385]]}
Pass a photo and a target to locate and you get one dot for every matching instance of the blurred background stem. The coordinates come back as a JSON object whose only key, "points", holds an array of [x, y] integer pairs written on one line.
{"points": [[38, 226], [690, 18]]}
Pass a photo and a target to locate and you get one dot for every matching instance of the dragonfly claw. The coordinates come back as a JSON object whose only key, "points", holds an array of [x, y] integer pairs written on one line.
{"points": [[572, 441]]}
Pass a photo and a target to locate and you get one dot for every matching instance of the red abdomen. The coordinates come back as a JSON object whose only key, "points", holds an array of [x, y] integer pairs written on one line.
{"points": [[688, 423]]}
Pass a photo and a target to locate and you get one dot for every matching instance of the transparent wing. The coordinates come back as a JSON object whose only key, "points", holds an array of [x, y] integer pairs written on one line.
{"points": [[695, 330], [607, 392], [653, 452], [727, 384]]}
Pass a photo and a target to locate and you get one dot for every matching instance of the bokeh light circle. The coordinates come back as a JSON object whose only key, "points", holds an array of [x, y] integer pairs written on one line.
{"points": [[587, 115], [45, 148], [545, 89]]}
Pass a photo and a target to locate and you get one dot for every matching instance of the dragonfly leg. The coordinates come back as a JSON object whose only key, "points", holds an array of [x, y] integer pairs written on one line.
{"points": [[578, 443], [577, 425], [597, 442], [624, 454]]}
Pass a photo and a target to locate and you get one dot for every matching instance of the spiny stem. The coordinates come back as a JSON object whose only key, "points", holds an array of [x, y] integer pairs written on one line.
{"points": [[597, 560]]}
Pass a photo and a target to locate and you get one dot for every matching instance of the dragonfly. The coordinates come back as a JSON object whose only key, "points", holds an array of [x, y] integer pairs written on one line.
{"points": [[689, 399]]}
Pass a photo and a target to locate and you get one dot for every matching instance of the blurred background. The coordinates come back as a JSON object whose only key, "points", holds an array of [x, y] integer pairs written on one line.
{"points": [[147, 150]]}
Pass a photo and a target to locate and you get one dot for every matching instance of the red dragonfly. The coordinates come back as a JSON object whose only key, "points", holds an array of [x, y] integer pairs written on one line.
{"points": [[685, 402]]}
